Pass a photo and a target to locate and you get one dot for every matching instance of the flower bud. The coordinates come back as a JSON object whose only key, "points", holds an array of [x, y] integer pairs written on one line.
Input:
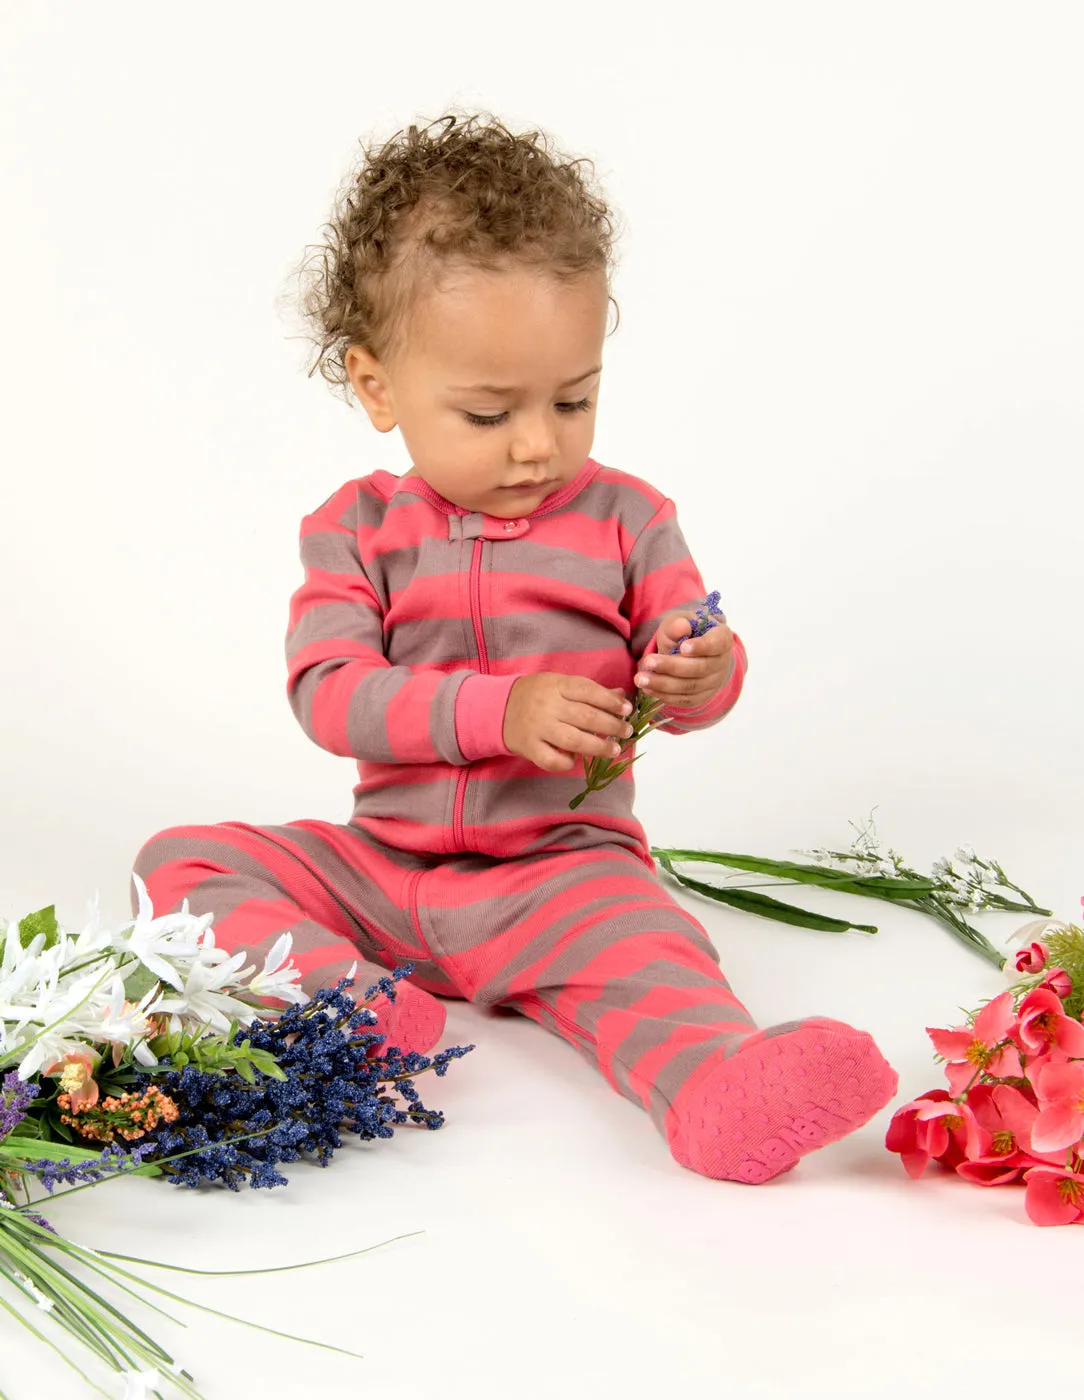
{"points": [[1032, 958], [1058, 981]]}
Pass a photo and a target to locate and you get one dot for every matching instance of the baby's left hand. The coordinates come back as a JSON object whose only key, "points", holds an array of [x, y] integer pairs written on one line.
{"points": [[697, 673]]}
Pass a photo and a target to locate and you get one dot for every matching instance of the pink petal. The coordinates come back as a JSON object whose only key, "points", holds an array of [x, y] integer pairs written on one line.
{"points": [[1017, 1112], [1070, 1036], [1055, 1082], [934, 1138], [993, 1171], [1044, 1203], [954, 1045], [959, 1077], [1057, 1127], [925, 1111], [900, 1136], [993, 1021], [915, 1163], [1006, 1064]]}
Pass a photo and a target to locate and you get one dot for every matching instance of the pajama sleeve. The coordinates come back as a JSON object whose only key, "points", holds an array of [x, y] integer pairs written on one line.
{"points": [[660, 576], [347, 696]]}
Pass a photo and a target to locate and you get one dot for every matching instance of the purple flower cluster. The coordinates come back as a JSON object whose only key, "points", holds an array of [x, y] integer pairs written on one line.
{"points": [[112, 1159], [15, 1098], [708, 615], [331, 1087]]}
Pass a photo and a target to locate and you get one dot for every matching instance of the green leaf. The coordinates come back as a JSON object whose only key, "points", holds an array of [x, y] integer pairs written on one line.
{"points": [[41, 921], [244, 1069], [138, 982], [55, 1151], [27, 1128], [61, 1129], [753, 903], [266, 1063], [875, 886]]}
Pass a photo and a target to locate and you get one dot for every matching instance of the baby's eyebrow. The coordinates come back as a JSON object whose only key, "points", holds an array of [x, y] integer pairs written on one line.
{"points": [[507, 389]]}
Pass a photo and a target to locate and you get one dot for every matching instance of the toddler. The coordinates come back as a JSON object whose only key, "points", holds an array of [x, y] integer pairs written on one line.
{"points": [[470, 633]]}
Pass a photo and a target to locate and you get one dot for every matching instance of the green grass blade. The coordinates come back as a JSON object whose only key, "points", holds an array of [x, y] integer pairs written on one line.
{"points": [[215, 1312], [765, 905], [239, 1273], [876, 886], [50, 1343]]}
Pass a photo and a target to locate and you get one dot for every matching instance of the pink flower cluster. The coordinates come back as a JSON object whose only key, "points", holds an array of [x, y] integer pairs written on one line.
{"points": [[1016, 1107]]}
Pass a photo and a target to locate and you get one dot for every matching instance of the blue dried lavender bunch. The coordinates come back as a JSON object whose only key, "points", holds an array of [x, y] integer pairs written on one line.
{"points": [[331, 1087], [600, 771]]}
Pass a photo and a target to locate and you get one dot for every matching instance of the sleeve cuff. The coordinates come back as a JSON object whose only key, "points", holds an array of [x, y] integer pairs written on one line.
{"points": [[480, 704]]}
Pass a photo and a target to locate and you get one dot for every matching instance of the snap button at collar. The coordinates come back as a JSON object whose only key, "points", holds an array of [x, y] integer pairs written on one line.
{"points": [[495, 528]]}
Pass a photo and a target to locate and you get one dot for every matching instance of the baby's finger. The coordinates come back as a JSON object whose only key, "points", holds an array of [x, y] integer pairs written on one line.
{"points": [[683, 667], [594, 721], [666, 686], [584, 691], [716, 641], [575, 740]]}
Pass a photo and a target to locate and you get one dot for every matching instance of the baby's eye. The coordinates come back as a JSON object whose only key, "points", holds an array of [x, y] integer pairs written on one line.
{"points": [[579, 407]]}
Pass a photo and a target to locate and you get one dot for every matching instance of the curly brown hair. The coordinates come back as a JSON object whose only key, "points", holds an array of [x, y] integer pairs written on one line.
{"points": [[473, 194]]}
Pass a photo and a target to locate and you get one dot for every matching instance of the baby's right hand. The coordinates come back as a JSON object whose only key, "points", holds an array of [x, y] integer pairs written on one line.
{"points": [[552, 718]]}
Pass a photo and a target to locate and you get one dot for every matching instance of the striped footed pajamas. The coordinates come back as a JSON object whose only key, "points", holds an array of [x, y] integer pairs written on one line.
{"points": [[414, 620]]}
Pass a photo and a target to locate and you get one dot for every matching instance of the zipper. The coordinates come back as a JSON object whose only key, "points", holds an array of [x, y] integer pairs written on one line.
{"points": [[483, 666]]}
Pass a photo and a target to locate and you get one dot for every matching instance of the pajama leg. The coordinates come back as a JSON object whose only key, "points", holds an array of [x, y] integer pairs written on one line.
{"points": [[591, 945], [340, 894]]}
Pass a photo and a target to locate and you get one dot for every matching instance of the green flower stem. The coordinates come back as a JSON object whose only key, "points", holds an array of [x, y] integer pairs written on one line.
{"points": [[88, 1257], [600, 771], [59, 1350], [241, 1273], [945, 914], [762, 904], [882, 886], [37, 1265], [117, 1172], [911, 891]]}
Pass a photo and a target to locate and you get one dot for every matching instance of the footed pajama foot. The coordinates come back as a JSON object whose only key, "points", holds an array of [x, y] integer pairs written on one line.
{"points": [[414, 1020], [781, 1094]]}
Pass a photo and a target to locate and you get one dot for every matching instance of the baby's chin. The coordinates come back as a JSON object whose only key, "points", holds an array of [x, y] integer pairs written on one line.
{"points": [[507, 504], [504, 503]]}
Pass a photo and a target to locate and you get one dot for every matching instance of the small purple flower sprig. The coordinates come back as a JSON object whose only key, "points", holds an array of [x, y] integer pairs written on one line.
{"points": [[16, 1096], [601, 771], [331, 1086]]}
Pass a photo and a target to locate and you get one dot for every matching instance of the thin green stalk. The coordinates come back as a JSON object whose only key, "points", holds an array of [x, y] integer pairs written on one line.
{"points": [[127, 1333], [909, 891], [117, 1172], [762, 904], [240, 1273], [960, 928], [87, 1257], [67, 1285], [50, 1343], [883, 886]]}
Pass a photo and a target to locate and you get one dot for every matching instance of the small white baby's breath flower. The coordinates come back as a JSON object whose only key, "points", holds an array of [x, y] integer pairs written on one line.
{"points": [[46, 1304], [139, 1385]]}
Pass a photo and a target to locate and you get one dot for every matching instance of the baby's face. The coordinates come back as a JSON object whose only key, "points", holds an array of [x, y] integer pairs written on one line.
{"points": [[520, 331]]}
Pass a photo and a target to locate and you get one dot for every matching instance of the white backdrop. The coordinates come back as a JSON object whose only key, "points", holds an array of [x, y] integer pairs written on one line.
{"points": [[851, 348]]}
